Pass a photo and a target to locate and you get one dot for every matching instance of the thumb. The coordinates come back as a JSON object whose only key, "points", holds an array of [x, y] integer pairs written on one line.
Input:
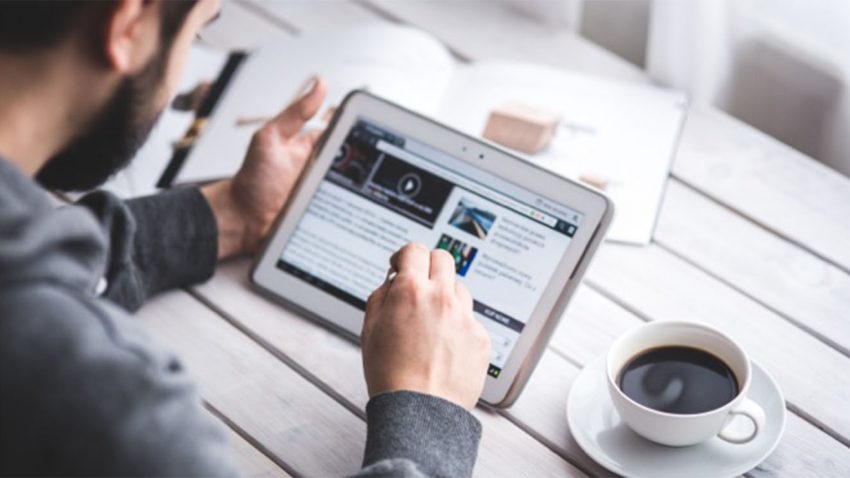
{"points": [[290, 121]]}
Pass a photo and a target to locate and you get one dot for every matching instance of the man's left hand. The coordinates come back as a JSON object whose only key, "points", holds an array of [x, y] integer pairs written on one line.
{"points": [[246, 205]]}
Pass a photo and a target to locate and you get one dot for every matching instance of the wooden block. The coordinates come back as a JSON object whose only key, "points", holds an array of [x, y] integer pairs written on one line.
{"points": [[521, 127], [594, 180]]}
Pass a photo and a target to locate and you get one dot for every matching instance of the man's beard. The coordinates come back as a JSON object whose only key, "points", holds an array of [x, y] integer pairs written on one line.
{"points": [[110, 141]]}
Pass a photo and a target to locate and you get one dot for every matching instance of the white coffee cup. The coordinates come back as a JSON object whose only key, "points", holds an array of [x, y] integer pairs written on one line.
{"points": [[673, 429]]}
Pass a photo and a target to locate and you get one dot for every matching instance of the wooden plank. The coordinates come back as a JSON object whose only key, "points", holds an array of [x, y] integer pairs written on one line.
{"points": [[798, 285], [655, 284], [295, 421], [805, 451], [505, 449], [488, 29], [542, 409], [252, 463], [592, 323], [542, 406], [781, 189]]}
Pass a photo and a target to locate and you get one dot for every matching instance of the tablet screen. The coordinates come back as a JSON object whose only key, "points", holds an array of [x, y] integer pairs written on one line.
{"points": [[384, 190]]}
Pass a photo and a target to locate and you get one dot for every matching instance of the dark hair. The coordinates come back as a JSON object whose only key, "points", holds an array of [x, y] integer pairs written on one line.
{"points": [[29, 25]]}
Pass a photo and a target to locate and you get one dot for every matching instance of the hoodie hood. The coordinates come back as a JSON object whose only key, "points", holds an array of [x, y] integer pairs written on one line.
{"points": [[40, 242]]}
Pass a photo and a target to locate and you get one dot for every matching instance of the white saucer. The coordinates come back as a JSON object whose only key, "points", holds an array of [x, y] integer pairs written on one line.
{"points": [[601, 433]]}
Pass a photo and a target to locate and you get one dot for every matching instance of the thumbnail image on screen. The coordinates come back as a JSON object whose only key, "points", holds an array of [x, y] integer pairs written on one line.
{"points": [[472, 219], [462, 252]]}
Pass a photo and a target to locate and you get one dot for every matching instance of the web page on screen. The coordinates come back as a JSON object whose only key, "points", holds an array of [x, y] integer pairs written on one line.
{"points": [[384, 190]]}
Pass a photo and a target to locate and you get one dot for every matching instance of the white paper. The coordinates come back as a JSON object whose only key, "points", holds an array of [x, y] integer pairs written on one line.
{"points": [[401, 64], [622, 132]]}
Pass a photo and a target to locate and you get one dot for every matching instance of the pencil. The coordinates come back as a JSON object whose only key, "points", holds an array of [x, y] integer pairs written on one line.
{"points": [[251, 120]]}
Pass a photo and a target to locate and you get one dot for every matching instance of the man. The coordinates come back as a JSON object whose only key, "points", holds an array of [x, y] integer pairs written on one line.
{"points": [[82, 390]]}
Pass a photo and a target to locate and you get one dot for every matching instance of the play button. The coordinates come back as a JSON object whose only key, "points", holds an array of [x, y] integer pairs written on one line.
{"points": [[409, 185]]}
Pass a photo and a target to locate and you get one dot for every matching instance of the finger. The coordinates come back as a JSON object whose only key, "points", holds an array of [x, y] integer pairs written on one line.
{"points": [[378, 295], [302, 90], [463, 294], [302, 147], [413, 259], [311, 137], [442, 266], [290, 121]]}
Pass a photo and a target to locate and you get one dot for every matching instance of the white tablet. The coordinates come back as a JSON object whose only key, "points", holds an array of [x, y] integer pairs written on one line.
{"points": [[384, 176]]}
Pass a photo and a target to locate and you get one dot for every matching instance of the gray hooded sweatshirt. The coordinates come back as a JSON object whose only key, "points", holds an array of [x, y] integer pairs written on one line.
{"points": [[83, 390]]}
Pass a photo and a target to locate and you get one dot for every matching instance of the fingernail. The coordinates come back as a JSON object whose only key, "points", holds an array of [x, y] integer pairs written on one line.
{"points": [[310, 85], [305, 89]]}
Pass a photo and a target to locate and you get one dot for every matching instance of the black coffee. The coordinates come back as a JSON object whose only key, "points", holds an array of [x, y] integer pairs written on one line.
{"points": [[680, 380]]}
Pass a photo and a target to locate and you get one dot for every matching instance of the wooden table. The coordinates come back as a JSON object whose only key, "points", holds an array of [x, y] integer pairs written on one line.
{"points": [[753, 238]]}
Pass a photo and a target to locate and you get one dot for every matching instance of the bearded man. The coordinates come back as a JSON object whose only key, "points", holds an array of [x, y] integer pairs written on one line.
{"points": [[83, 391]]}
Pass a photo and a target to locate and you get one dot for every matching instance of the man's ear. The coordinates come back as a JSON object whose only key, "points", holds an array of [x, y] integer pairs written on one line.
{"points": [[130, 36]]}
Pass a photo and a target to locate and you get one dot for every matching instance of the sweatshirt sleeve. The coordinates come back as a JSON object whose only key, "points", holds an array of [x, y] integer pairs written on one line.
{"points": [[413, 434], [156, 242], [85, 392]]}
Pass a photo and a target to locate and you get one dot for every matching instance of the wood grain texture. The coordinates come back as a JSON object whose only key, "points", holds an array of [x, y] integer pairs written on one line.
{"points": [[542, 409], [591, 324], [777, 187], [297, 422], [505, 449], [252, 463], [805, 451], [799, 285]]}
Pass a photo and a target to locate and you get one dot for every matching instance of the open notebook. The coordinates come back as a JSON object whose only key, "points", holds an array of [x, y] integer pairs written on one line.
{"points": [[624, 133]]}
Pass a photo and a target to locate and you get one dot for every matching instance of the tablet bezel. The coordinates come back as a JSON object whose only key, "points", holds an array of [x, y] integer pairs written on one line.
{"points": [[345, 318]]}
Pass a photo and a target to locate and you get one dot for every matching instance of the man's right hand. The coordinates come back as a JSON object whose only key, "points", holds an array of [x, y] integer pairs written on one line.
{"points": [[420, 334]]}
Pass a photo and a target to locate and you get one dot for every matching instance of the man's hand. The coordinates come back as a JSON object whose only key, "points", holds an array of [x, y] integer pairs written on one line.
{"points": [[420, 334], [246, 205]]}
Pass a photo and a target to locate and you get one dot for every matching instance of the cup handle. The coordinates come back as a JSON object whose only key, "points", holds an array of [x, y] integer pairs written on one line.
{"points": [[749, 409]]}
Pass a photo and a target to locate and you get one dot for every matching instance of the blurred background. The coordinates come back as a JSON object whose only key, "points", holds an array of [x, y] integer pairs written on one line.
{"points": [[780, 65]]}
